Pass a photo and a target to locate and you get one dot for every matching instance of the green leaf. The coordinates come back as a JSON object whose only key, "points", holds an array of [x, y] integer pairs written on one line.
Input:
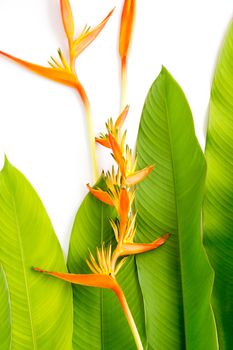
{"points": [[99, 322], [176, 279], [5, 313], [41, 306], [218, 203]]}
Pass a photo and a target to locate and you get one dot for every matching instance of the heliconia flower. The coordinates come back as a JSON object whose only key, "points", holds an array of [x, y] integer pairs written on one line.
{"points": [[138, 176], [67, 19], [57, 73], [117, 153], [86, 37], [126, 27], [103, 196], [64, 72]]}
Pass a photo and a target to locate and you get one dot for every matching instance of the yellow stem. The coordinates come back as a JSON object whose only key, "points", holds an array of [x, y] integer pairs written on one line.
{"points": [[90, 128], [128, 315], [87, 106], [123, 82]]}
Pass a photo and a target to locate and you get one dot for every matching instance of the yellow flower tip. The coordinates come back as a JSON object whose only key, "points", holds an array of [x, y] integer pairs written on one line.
{"points": [[87, 36], [126, 28], [67, 19], [121, 119], [101, 195]]}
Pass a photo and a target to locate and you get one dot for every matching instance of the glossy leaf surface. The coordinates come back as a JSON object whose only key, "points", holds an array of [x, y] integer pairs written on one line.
{"points": [[41, 306], [99, 322], [218, 203], [176, 279]]}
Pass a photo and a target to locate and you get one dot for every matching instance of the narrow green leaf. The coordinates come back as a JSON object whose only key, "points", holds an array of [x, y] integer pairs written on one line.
{"points": [[218, 203], [99, 322], [41, 306], [5, 313], [176, 279]]}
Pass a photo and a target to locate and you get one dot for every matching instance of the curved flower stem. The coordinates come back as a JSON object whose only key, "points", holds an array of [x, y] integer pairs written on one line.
{"points": [[123, 82], [101, 281], [128, 315], [90, 128]]}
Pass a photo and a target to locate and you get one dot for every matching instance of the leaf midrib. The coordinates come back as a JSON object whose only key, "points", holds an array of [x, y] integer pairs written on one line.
{"points": [[24, 271], [176, 205]]}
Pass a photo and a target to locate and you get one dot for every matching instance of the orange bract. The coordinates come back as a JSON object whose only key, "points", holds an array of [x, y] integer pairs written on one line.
{"points": [[117, 153], [101, 195], [60, 75], [138, 248], [126, 29], [121, 119], [67, 19], [103, 141], [87, 36], [138, 176], [90, 280]]}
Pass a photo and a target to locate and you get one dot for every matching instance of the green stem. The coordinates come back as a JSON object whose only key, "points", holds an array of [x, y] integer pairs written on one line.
{"points": [[129, 317]]}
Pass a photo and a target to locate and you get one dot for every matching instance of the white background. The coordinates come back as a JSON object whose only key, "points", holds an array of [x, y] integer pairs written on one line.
{"points": [[42, 126]]}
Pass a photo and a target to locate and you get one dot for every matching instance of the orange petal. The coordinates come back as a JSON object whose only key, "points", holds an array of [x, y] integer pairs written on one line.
{"points": [[138, 176], [86, 37], [117, 153], [67, 18], [137, 248], [124, 209], [103, 142], [121, 119], [90, 280], [126, 29], [101, 195], [58, 75]]}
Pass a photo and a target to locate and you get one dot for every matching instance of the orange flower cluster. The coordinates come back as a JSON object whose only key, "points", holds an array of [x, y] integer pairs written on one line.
{"points": [[120, 194], [120, 183]]}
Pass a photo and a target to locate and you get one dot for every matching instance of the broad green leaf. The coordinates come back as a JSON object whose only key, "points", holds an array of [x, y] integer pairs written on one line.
{"points": [[218, 203], [5, 313], [99, 322], [176, 279], [41, 306]]}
